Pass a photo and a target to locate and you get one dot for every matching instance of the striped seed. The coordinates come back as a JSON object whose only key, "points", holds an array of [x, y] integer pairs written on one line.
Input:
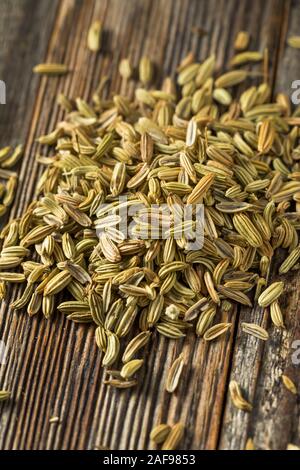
{"points": [[237, 398], [271, 294], [174, 374]]}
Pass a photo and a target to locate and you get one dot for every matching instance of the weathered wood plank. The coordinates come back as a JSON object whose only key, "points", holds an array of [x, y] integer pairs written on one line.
{"points": [[258, 367], [24, 37], [53, 367]]}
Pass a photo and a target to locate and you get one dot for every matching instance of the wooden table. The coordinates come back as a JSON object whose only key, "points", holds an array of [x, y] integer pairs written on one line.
{"points": [[53, 367]]}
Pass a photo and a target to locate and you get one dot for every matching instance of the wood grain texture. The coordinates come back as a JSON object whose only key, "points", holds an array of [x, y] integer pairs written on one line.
{"points": [[54, 368], [258, 366], [23, 43]]}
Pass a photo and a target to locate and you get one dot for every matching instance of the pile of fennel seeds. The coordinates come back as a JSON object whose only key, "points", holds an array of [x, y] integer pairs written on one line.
{"points": [[238, 155]]}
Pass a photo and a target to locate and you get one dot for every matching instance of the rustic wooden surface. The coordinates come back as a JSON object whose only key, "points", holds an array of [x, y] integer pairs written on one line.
{"points": [[53, 367]]}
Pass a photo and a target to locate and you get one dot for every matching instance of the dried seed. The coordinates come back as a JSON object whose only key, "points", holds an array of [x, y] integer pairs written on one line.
{"points": [[222, 96], [51, 69], [135, 345], [232, 78], [289, 384], [276, 314], [12, 277], [4, 395], [174, 374], [271, 294], [249, 444], [255, 330], [266, 136], [112, 349], [244, 57], [290, 261], [205, 320], [294, 41], [125, 69], [292, 447], [174, 437], [57, 283], [160, 433], [200, 189], [247, 229], [131, 367], [94, 36], [237, 398], [145, 70], [241, 40], [216, 331]]}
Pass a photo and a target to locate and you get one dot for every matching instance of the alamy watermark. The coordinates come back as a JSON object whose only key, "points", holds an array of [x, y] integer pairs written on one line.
{"points": [[128, 219], [2, 92], [296, 353], [3, 353], [295, 96]]}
